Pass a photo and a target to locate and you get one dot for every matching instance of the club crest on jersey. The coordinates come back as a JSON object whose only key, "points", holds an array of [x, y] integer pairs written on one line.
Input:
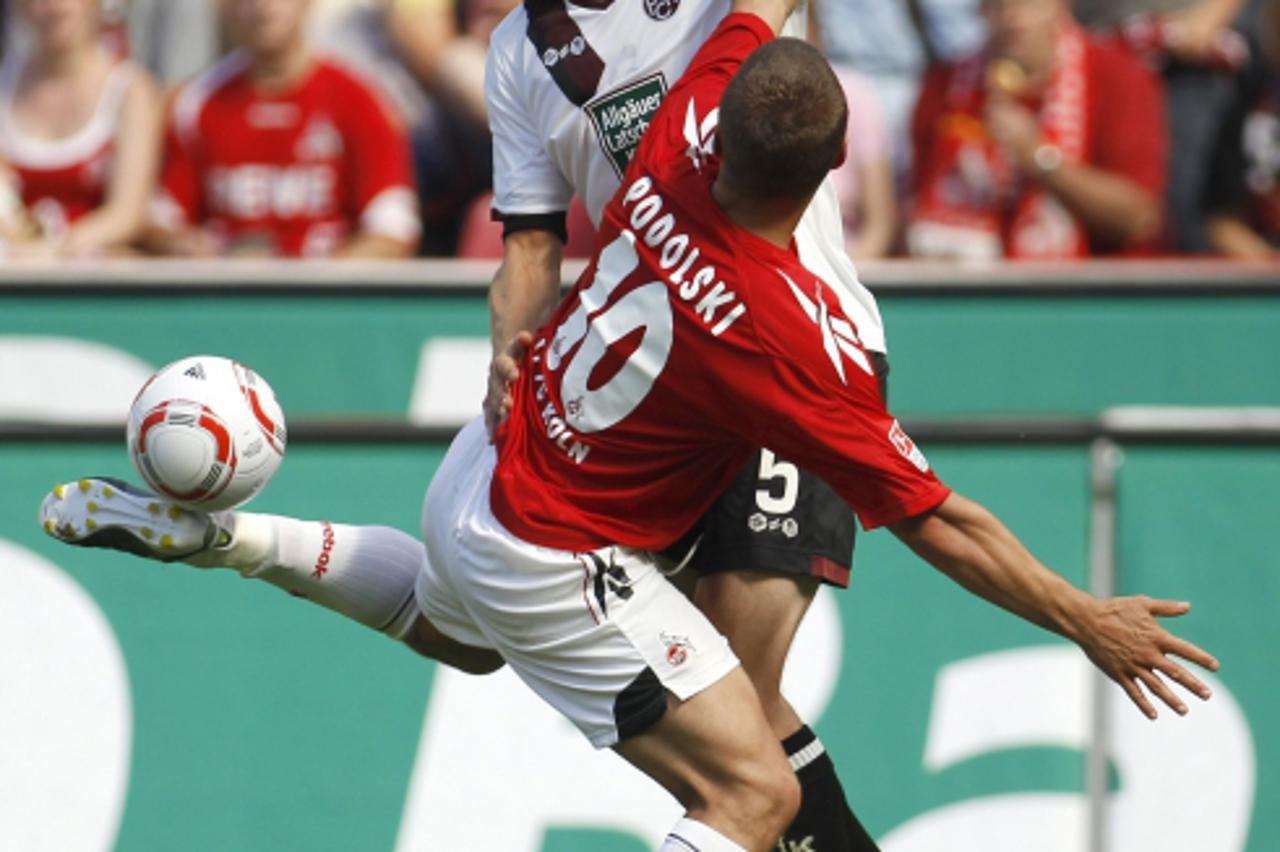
{"points": [[907, 447], [678, 648], [660, 10], [838, 334], [621, 117]]}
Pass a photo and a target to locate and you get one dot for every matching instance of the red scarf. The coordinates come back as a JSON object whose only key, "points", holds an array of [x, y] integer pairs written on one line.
{"points": [[970, 201]]}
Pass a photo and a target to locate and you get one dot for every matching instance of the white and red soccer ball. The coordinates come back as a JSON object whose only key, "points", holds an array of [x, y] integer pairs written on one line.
{"points": [[206, 432]]}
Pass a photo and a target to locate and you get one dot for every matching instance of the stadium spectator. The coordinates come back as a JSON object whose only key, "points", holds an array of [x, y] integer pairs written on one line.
{"points": [[1191, 43], [864, 182], [276, 151], [1243, 200], [429, 56], [890, 44], [1045, 144], [79, 131]]}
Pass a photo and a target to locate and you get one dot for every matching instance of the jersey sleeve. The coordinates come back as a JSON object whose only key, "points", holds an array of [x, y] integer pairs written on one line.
{"points": [[805, 396], [686, 122], [378, 168], [525, 180]]}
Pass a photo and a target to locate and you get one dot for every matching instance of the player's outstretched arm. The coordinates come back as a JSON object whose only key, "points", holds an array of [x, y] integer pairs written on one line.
{"points": [[524, 290], [1120, 635]]}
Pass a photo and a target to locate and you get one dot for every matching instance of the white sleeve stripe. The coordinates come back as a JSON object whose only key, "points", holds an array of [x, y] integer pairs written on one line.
{"points": [[393, 213]]}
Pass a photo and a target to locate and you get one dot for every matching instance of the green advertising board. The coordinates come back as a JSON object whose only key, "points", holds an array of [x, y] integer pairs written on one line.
{"points": [[327, 353]]}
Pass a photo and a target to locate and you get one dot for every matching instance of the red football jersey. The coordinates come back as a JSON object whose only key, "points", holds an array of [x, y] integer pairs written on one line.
{"points": [[687, 343], [61, 180], [291, 173]]}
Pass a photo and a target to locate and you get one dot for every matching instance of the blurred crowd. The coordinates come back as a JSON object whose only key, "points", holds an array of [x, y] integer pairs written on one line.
{"points": [[979, 129]]}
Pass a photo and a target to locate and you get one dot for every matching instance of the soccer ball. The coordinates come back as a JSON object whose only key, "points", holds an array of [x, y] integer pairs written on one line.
{"points": [[206, 432]]}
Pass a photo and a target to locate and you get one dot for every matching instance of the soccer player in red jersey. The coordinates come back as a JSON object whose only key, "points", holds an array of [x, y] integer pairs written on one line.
{"points": [[674, 356], [277, 151]]}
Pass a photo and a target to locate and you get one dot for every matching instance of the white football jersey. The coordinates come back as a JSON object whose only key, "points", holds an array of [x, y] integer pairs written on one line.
{"points": [[571, 87]]}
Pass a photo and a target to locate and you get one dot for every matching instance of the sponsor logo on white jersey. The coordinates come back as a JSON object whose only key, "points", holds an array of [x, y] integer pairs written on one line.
{"points": [[620, 117]]}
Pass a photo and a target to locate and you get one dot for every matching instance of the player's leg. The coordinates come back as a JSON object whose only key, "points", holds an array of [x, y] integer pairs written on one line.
{"points": [[767, 544], [366, 573], [737, 603], [427, 639], [715, 753], [637, 668]]}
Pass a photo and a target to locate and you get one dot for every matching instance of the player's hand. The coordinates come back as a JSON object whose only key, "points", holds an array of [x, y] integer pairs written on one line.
{"points": [[504, 370], [1125, 641]]}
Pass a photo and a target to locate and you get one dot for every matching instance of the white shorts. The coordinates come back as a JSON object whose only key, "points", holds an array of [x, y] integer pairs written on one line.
{"points": [[601, 636]]}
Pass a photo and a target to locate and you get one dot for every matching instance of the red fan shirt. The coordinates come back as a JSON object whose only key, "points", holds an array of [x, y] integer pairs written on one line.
{"points": [[292, 172], [687, 343], [61, 180]]}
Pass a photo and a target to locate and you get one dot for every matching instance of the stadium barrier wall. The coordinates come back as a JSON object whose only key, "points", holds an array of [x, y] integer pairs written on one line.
{"points": [[151, 707]]}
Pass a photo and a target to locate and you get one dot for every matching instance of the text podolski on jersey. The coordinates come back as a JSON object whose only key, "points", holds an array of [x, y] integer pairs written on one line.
{"points": [[719, 307]]}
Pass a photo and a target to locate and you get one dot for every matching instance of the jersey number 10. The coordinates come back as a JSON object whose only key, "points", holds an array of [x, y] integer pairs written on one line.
{"points": [[646, 308]]}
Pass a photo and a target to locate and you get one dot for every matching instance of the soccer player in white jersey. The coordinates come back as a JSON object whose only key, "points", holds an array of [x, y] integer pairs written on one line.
{"points": [[571, 88]]}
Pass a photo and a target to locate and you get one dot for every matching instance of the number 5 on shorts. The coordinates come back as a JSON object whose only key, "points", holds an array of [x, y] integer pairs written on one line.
{"points": [[772, 468]]}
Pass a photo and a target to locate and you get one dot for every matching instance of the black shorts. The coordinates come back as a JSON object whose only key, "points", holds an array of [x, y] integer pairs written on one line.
{"points": [[778, 518]]}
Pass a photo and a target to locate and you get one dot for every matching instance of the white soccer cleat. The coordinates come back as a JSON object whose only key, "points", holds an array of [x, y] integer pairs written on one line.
{"points": [[108, 513]]}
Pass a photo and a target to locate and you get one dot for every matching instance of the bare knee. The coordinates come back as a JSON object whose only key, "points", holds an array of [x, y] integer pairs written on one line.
{"points": [[424, 638], [733, 775], [766, 799], [751, 801]]}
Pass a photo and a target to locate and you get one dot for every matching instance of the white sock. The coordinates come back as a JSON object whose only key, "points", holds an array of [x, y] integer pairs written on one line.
{"points": [[689, 835], [366, 573]]}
